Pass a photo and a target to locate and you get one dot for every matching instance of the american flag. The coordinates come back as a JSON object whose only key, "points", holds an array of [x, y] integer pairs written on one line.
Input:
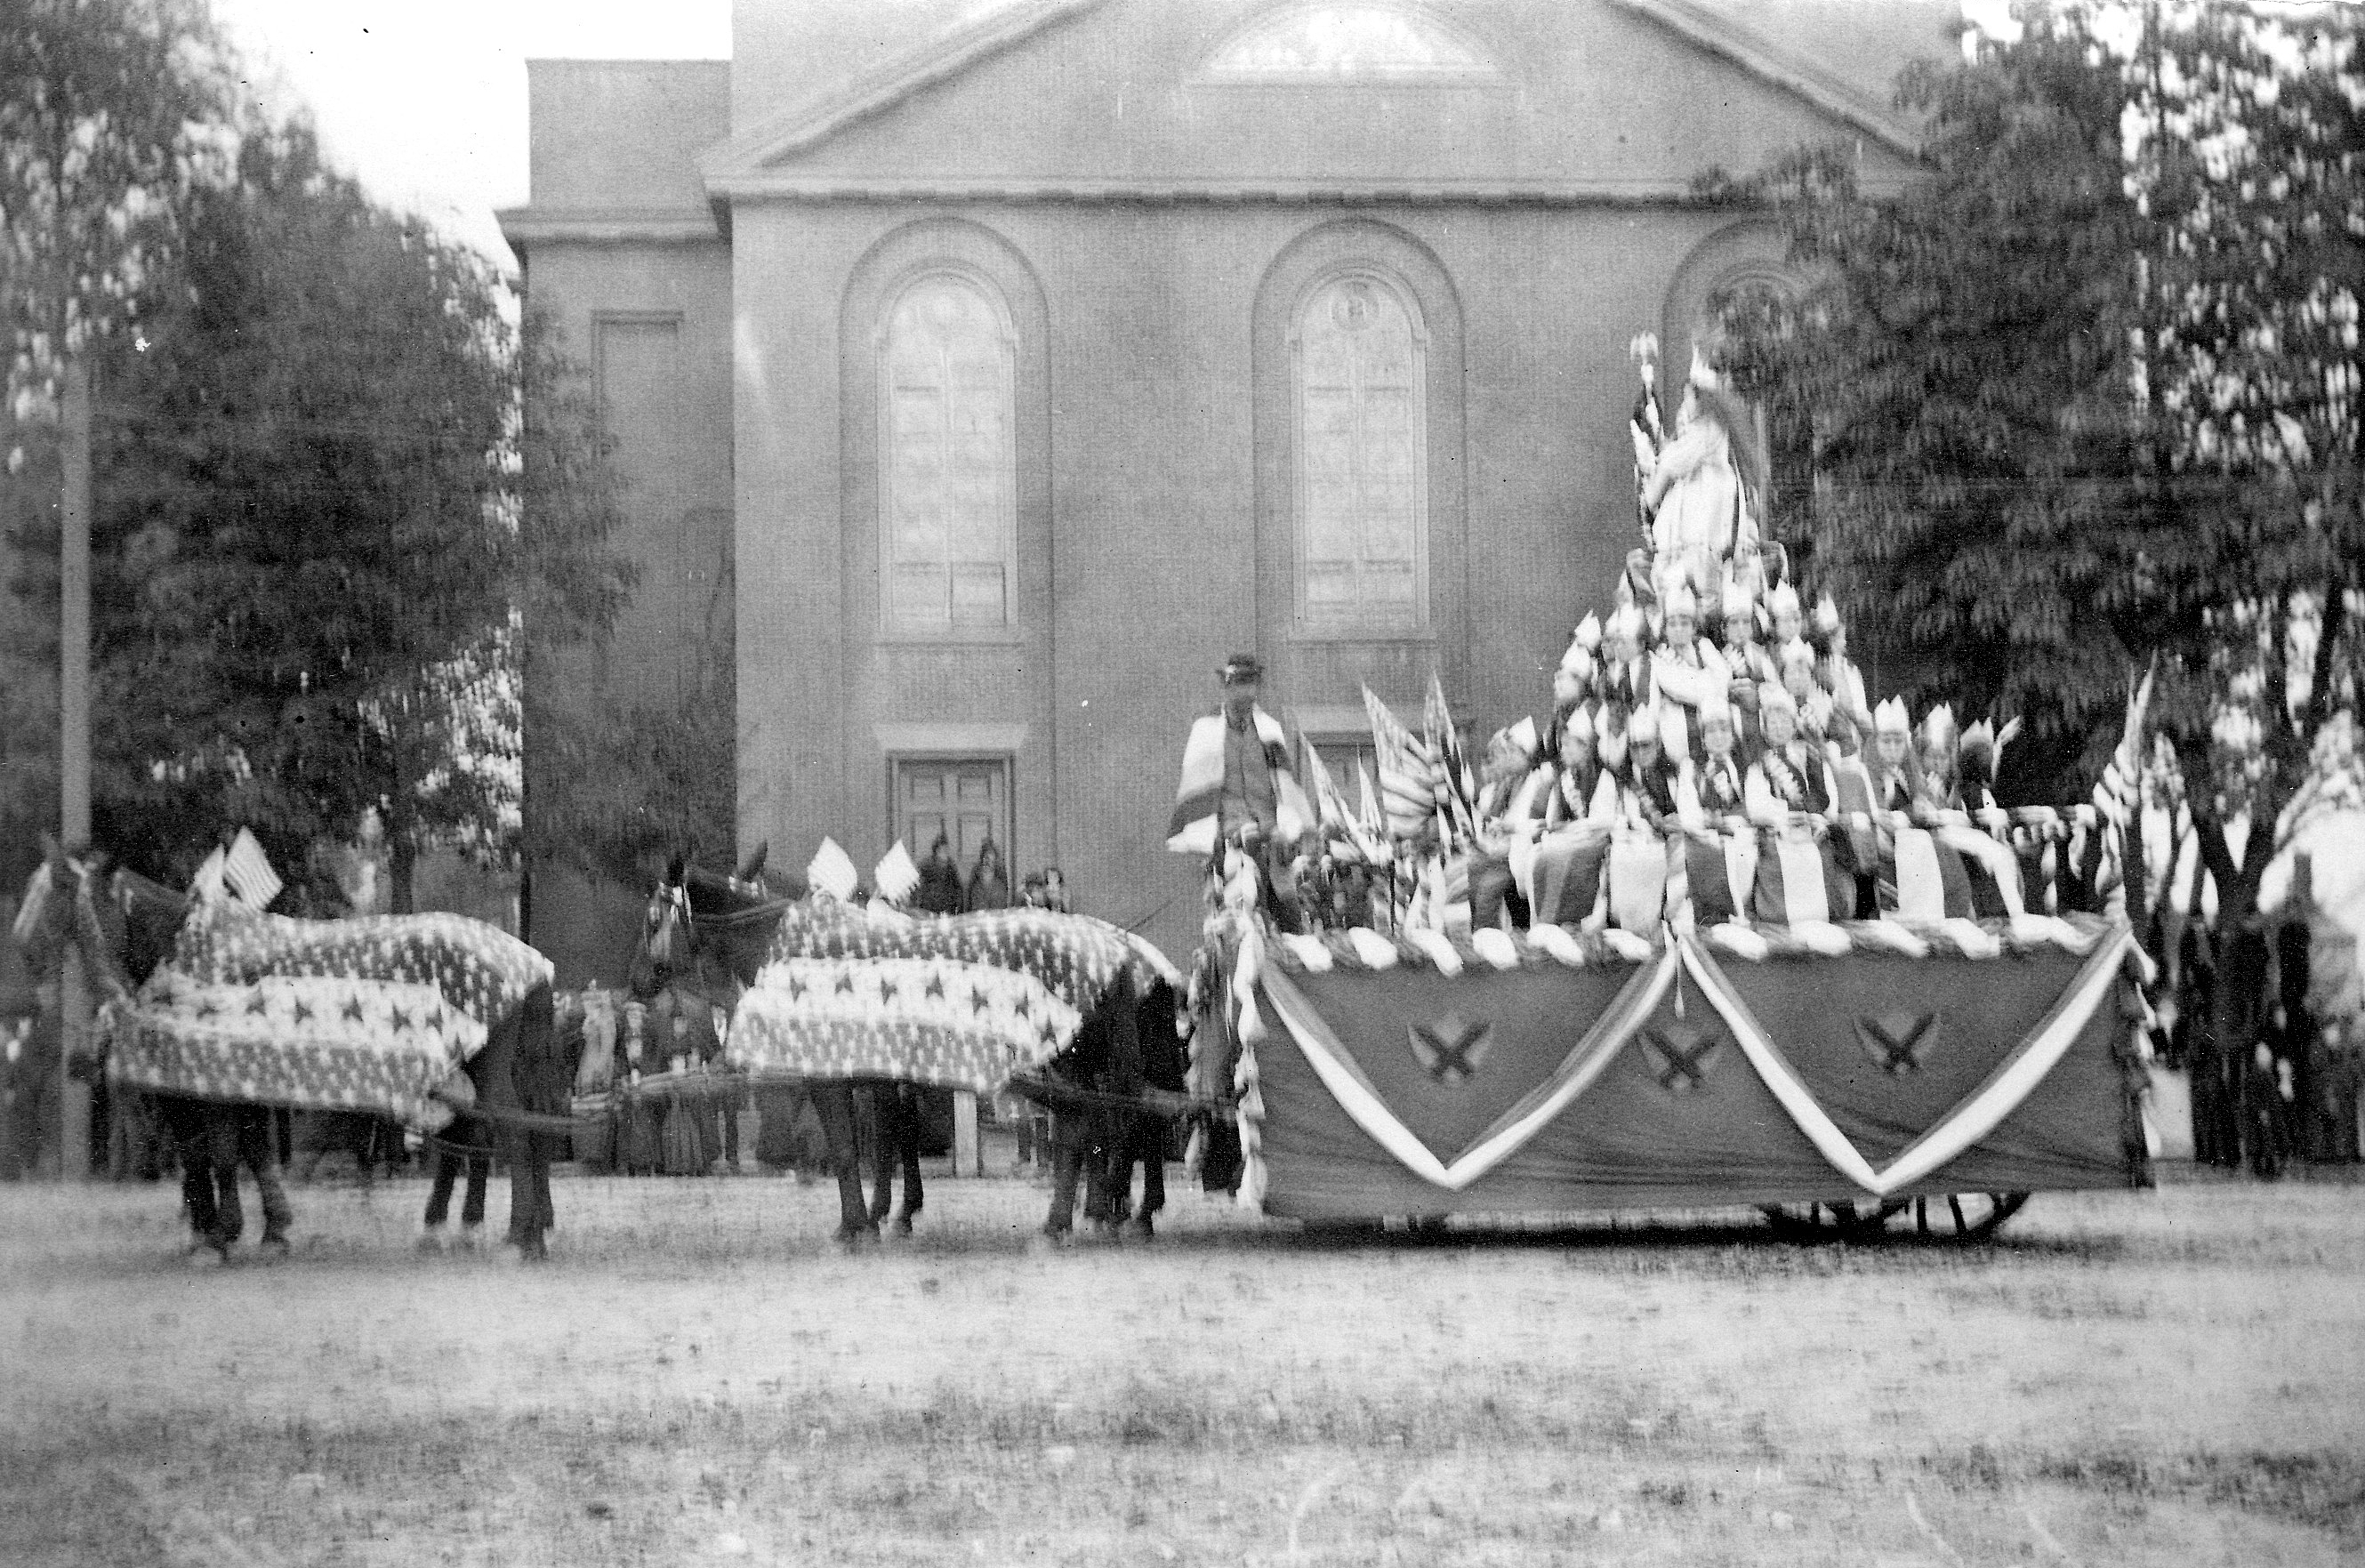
{"points": [[248, 870]]}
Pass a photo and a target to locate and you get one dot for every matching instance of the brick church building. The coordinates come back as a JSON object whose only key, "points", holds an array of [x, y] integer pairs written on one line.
{"points": [[983, 373]]}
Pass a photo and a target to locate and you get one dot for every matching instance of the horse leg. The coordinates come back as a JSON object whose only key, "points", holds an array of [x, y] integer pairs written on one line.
{"points": [[192, 1140], [1067, 1164], [1145, 1140], [907, 1146], [834, 1100], [874, 1106], [258, 1151]]}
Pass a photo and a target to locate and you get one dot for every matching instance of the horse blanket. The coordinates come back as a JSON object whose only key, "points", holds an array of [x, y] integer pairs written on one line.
{"points": [[373, 1015], [959, 1003]]}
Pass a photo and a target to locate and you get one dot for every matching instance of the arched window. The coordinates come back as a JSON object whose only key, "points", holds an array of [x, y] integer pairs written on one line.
{"points": [[948, 456], [1358, 373]]}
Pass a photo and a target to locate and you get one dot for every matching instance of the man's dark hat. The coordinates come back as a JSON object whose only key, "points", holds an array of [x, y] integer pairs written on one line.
{"points": [[1243, 667]]}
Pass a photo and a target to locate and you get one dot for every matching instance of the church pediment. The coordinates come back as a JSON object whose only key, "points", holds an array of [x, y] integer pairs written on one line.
{"points": [[1517, 99]]}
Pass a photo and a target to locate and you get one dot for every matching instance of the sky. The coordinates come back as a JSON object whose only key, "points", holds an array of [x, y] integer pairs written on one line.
{"points": [[424, 101]]}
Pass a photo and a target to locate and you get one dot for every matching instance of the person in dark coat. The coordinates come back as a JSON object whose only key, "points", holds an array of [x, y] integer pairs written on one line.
{"points": [[988, 884], [940, 891]]}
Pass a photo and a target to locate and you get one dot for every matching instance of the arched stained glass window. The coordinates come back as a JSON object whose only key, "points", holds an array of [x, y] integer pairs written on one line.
{"points": [[1358, 375], [949, 456]]}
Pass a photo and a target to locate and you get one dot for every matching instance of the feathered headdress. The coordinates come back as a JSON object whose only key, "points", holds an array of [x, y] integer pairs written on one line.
{"points": [[1938, 729], [1643, 728], [1782, 600], [1626, 621], [1588, 633], [1680, 600], [1772, 695], [1579, 726], [1738, 600], [1827, 615], [831, 872], [1891, 718]]}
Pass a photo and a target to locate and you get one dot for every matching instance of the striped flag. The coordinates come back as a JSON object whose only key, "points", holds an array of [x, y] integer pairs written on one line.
{"points": [[247, 871], [1406, 792], [1454, 787]]}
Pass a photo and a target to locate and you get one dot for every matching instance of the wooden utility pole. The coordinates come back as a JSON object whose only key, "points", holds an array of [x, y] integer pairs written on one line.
{"points": [[73, 745]]}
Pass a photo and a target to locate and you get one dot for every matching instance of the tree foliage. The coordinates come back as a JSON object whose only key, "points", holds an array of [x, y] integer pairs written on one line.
{"points": [[1961, 359]]}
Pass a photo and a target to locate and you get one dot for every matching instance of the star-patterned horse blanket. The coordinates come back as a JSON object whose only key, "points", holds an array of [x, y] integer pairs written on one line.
{"points": [[374, 1014], [960, 1003]]}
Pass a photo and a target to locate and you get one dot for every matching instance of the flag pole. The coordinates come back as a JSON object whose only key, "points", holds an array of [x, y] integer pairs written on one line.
{"points": [[73, 746]]}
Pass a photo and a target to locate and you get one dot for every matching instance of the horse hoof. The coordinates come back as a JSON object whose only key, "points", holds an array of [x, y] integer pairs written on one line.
{"points": [[205, 1256], [851, 1236], [470, 1238], [431, 1239], [1141, 1229], [903, 1226], [273, 1248], [1051, 1241]]}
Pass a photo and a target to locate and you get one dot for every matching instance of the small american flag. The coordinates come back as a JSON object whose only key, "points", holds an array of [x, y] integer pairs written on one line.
{"points": [[249, 872]]}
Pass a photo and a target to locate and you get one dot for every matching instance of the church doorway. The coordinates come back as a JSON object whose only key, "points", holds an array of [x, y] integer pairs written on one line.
{"points": [[966, 798]]}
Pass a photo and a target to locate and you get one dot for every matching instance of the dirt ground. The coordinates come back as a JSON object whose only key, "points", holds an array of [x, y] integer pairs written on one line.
{"points": [[699, 1376]]}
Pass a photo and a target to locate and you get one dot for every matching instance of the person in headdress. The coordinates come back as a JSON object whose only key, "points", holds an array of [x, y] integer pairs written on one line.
{"points": [[1580, 804], [1935, 789], [1782, 613], [1572, 683], [1687, 672], [1655, 788], [1894, 787], [1237, 791], [1625, 682], [1789, 776], [1834, 672], [1978, 761], [1719, 780], [1509, 810], [1797, 662]]}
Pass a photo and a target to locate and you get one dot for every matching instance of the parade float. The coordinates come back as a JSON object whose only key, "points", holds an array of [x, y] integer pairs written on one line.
{"points": [[1715, 932]]}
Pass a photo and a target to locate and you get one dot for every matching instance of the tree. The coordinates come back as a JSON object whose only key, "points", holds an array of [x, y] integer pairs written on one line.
{"points": [[110, 112], [1960, 363], [2085, 399], [337, 536]]}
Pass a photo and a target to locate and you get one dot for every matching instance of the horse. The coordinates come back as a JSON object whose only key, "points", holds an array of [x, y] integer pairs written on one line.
{"points": [[697, 917], [518, 1074]]}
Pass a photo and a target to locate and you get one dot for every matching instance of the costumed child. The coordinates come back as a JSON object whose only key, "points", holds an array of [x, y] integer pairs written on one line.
{"points": [[1935, 753], [1686, 672], [1718, 779], [1834, 670], [1625, 682], [1782, 610], [1894, 786], [1563, 876], [1750, 665], [1789, 776], [1977, 762], [1654, 789], [1508, 812], [1572, 682], [1814, 704]]}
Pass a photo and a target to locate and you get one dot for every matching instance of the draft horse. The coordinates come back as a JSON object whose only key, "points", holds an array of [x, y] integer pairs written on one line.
{"points": [[520, 1077], [698, 918]]}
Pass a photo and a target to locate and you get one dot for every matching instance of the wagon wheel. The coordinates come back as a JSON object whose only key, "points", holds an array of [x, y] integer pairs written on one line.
{"points": [[1951, 1217], [1832, 1222]]}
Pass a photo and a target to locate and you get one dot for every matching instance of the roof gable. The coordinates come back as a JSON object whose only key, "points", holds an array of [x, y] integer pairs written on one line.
{"points": [[1578, 98]]}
